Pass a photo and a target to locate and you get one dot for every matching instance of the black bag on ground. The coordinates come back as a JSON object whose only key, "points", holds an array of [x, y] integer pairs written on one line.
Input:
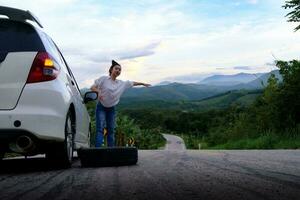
{"points": [[108, 156]]}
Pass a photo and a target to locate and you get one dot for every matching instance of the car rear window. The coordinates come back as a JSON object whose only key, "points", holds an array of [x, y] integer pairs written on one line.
{"points": [[17, 36]]}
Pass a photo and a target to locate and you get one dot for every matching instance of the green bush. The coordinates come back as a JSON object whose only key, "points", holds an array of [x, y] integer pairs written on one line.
{"points": [[128, 132]]}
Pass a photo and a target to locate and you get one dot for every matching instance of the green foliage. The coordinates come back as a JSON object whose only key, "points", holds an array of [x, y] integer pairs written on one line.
{"points": [[150, 139], [294, 15], [238, 97], [127, 129], [268, 140], [220, 101], [147, 119], [143, 138], [171, 92], [289, 97], [266, 107], [91, 110], [193, 141]]}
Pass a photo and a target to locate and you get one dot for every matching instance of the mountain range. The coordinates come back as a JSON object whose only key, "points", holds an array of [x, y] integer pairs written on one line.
{"points": [[208, 87], [219, 101], [234, 79]]}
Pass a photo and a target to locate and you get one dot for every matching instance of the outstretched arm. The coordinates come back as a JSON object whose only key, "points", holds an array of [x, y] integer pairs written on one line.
{"points": [[139, 83]]}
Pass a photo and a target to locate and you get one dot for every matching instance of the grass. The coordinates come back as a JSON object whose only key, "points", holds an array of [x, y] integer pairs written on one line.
{"points": [[193, 142], [265, 141], [268, 141]]}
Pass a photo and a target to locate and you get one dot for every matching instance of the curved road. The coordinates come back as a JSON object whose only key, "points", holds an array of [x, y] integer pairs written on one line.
{"points": [[161, 174], [174, 143]]}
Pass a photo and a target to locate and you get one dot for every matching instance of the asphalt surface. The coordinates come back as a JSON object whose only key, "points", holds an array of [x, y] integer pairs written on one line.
{"points": [[160, 174], [174, 143]]}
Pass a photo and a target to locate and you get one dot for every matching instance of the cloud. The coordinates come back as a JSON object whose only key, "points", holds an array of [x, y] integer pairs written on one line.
{"points": [[138, 52], [271, 64], [101, 56], [242, 67], [221, 68]]}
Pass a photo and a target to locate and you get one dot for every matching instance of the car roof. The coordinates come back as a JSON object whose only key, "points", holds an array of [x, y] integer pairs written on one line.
{"points": [[19, 15]]}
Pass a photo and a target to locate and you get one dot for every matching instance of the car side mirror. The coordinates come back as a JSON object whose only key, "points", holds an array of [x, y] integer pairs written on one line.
{"points": [[90, 96]]}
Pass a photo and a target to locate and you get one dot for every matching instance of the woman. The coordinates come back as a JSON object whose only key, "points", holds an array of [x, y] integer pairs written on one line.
{"points": [[109, 92]]}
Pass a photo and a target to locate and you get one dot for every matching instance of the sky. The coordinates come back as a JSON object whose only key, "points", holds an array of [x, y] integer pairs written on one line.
{"points": [[166, 40]]}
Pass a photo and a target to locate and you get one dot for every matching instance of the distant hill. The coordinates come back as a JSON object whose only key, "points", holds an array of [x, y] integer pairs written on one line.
{"points": [[258, 83], [164, 83], [230, 80], [174, 92], [241, 97], [180, 91], [220, 101], [214, 85], [262, 81]]}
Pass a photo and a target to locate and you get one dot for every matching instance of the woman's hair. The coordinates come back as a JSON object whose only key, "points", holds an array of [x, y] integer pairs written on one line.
{"points": [[113, 63]]}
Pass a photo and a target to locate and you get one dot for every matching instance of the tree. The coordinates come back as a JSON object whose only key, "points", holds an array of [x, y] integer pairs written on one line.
{"points": [[267, 112], [294, 15], [289, 96]]}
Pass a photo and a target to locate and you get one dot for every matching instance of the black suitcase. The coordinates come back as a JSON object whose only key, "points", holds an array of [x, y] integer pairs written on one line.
{"points": [[107, 156]]}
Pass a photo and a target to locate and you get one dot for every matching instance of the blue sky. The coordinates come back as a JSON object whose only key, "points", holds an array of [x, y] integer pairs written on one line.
{"points": [[164, 40]]}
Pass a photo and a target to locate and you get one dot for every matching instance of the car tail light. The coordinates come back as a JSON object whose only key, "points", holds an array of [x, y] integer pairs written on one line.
{"points": [[42, 69]]}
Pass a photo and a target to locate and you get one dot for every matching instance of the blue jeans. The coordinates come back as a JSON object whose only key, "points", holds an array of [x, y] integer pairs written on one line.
{"points": [[105, 117]]}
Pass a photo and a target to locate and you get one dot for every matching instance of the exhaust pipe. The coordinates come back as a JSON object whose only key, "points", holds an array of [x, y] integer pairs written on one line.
{"points": [[23, 144]]}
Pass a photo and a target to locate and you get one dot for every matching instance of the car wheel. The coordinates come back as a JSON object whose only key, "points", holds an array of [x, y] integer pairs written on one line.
{"points": [[63, 152], [69, 138]]}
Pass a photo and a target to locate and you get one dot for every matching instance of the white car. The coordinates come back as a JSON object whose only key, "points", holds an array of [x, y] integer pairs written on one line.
{"points": [[41, 107]]}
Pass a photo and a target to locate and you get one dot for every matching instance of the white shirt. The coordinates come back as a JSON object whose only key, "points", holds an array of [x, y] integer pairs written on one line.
{"points": [[111, 90]]}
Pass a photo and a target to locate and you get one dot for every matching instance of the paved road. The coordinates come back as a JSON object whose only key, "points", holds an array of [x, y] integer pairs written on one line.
{"points": [[174, 143], [161, 174]]}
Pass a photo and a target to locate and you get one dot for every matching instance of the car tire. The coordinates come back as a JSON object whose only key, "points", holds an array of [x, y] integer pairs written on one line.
{"points": [[62, 154], [108, 156]]}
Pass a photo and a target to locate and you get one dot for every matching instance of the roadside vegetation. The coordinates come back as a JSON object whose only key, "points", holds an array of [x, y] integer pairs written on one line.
{"points": [[129, 133]]}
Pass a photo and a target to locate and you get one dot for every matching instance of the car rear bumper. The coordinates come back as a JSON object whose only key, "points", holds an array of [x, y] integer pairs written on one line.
{"points": [[10, 140], [41, 111], [42, 126]]}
